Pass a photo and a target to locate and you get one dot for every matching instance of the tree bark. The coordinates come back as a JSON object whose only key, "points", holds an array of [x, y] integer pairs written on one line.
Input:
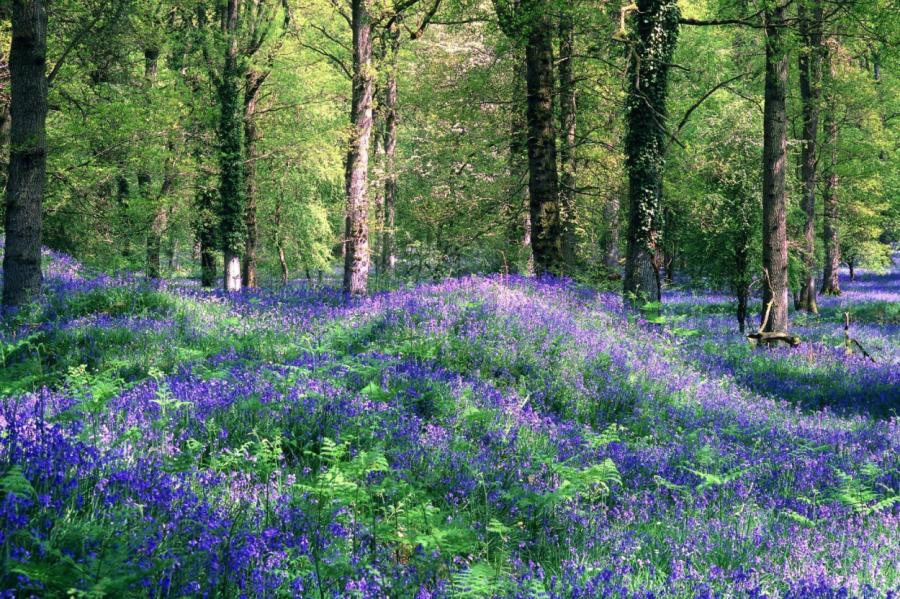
{"points": [[28, 153], [810, 62], [568, 104], [356, 244], [388, 259], [656, 33], [206, 234], [231, 187], [830, 282], [543, 181], [775, 255], [252, 135], [279, 238]]}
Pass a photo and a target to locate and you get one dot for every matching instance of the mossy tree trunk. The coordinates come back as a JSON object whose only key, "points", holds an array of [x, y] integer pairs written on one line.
{"points": [[28, 153], [654, 37]]}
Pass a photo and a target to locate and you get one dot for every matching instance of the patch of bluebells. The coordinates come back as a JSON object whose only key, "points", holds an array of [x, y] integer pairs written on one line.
{"points": [[480, 393]]}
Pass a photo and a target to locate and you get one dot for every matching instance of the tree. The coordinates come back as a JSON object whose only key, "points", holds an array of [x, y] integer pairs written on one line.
{"points": [[809, 18], [654, 35], [356, 251], [530, 22], [389, 111], [231, 159], [830, 237], [28, 153], [568, 112], [775, 255]]}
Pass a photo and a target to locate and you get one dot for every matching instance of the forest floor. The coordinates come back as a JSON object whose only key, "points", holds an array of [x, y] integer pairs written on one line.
{"points": [[483, 436]]}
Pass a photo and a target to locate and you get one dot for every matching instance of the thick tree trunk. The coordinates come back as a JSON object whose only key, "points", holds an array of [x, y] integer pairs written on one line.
{"points": [[388, 259], [775, 255], [252, 135], [830, 282], [656, 33], [810, 84], [231, 187], [28, 153], [356, 244], [543, 181], [568, 104]]}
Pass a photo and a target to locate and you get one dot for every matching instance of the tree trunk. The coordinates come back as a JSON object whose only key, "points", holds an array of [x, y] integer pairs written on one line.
{"points": [[157, 220], [390, 149], [656, 33], [231, 187], [28, 153], [568, 104], [356, 255], [279, 238], [810, 84], [543, 182], [206, 235], [519, 228], [830, 282], [611, 246], [252, 135], [775, 255]]}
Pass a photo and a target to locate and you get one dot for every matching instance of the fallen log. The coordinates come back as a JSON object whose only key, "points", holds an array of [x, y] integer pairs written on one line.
{"points": [[774, 337]]}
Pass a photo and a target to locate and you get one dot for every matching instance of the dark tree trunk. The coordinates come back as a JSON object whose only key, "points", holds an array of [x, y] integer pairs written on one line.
{"points": [[830, 282], [231, 186], [279, 239], [390, 149], [28, 153], [656, 33], [252, 135], [122, 196], [741, 277], [356, 244], [543, 182], [206, 235], [851, 265], [810, 64], [568, 104], [775, 255]]}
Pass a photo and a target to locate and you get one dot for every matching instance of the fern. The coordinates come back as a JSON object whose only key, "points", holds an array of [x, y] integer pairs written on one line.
{"points": [[15, 483], [479, 580]]}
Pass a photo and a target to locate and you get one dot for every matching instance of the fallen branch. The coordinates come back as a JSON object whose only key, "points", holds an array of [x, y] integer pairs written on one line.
{"points": [[849, 342]]}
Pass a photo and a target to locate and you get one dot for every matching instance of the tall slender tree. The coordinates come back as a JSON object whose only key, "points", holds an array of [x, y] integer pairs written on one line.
{"points": [[568, 111], [830, 239], [389, 110], [530, 22], [28, 152], [809, 20], [775, 255]]}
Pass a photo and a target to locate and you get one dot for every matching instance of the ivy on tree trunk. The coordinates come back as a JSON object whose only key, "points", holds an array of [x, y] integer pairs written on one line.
{"points": [[654, 38]]}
